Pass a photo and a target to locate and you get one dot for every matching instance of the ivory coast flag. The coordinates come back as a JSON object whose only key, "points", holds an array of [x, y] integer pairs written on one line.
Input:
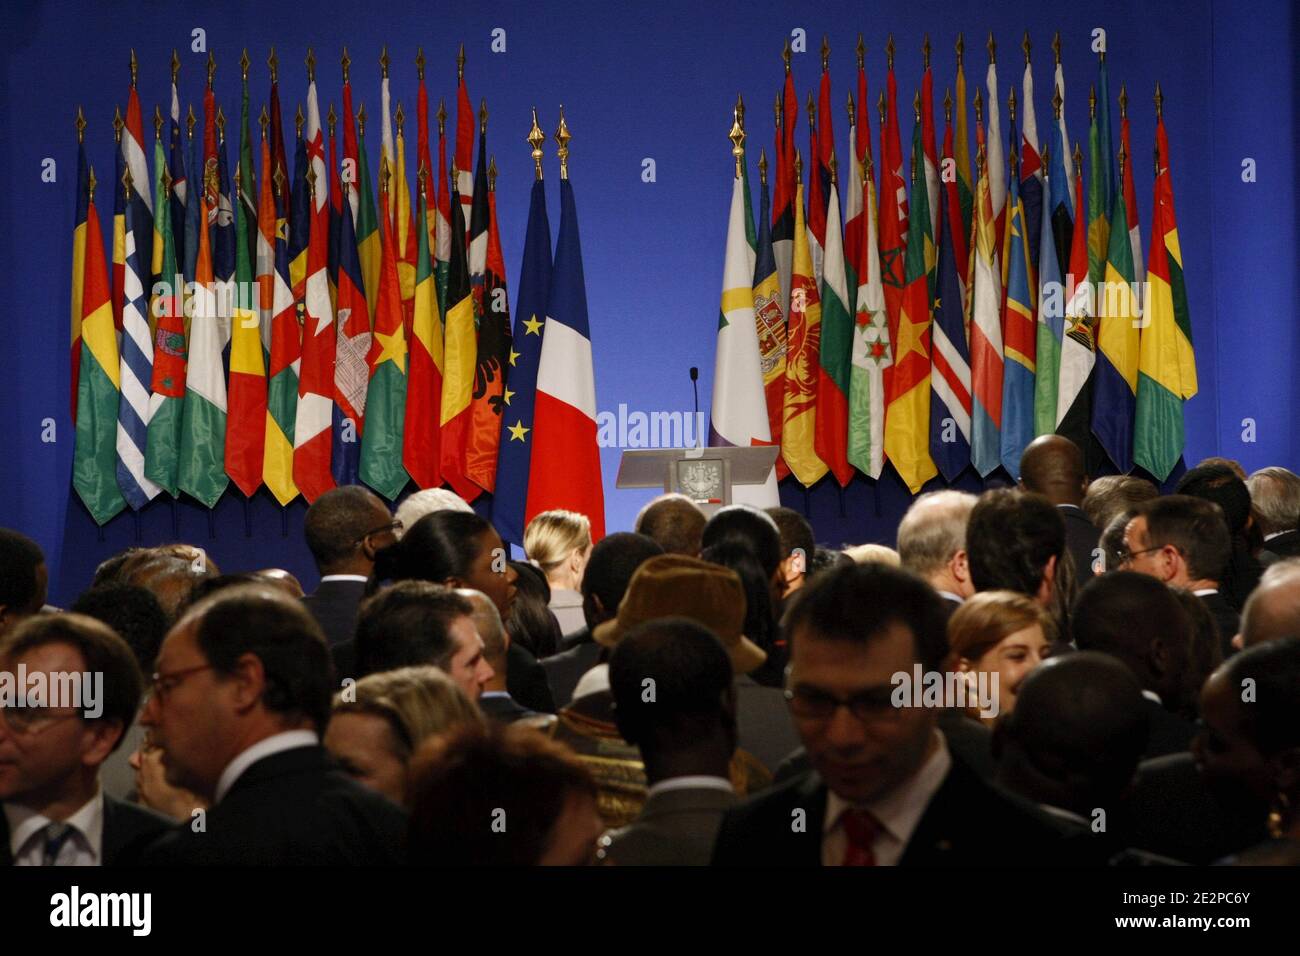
{"points": [[802, 358], [424, 378], [460, 355], [1167, 364], [94, 464]]}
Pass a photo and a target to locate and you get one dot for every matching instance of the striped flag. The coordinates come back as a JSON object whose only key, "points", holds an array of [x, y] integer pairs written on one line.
{"points": [[960, 152], [802, 357], [783, 197], [442, 220], [985, 332], [1064, 141], [362, 192], [135, 159], [995, 165], [817, 189], [931, 151], [1060, 183], [1031, 171], [460, 353], [510, 500], [399, 195], [1099, 199], [78, 258], [94, 463], [1130, 200], [1167, 365], [420, 452], [1051, 310], [176, 161], [464, 159], [167, 385], [835, 360], [872, 353], [1079, 347], [892, 225], [1018, 331], [118, 254], [381, 442], [136, 375], [352, 347], [769, 322], [565, 467], [281, 325]]}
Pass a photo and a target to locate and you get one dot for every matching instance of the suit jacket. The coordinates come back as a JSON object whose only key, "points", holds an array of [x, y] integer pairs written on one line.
{"points": [[505, 709], [293, 808], [565, 669], [1285, 545], [1081, 537], [127, 829], [1167, 732], [675, 828], [334, 605], [967, 823], [526, 680], [1225, 619], [763, 722]]}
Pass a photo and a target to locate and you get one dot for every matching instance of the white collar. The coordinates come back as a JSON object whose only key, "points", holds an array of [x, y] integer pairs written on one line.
{"points": [[87, 821], [900, 810], [494, 693], [952, 597], [1270, 537], [1152, 695], [1204, 591], [565, 597], [690, 782], [344, 577], [276, 743]]}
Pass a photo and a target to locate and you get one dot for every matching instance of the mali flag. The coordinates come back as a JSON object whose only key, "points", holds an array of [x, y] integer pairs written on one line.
{"points": [[802, 358], [424, 383], [460, 355], [1167, 364], [832, 431], [493, 365]]}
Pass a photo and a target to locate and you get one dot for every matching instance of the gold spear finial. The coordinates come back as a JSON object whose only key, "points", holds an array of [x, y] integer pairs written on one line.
{"points": [[1024, 45], [135, 68], [1057, 102], [332, 119], [961, 48], [81, 125], [812, 112], [785, 54], [835, 181], [384, 173], [1123, 101], [460, 63], [740, 110], [117, 124], [399, 118], [947, 104], [889, 52], [221, 125], [979, 106], [826, 53], [1011, 103], [482, 115], [263, 120], [1046, 159], [776, 111], [166, 182], [1123, 157], [535, 139], [273, 62], [157, 122], [861, 51], [1056, 48], [91, 182], [925, 52], [737, 137], [190, 120], [851, 108], [311, 66], [421, 175], [442, 116], [981, 159], [762, 167], [243, 66], [176, 66], [880, 105], [383, 62], [1078, 159], [277, 182], [562, 137], [798, 166], [916, 105], [993, 48], [126, 181], [361, 119], [1092, 102], [1160, 102], [212, 68], [345, 61], [419, 63], [492, 174], [311, 179], [298, 121], [1015, 162]]}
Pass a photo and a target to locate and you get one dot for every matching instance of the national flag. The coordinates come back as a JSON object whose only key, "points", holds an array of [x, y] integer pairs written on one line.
{"points": [[960, 152], [872, 353], [387, 151], [399, 195], [350, 153], [1130, 199], [245, 179], [79, 258], [300, 217], [769, 322], [478, 219], [281, 324], [802, 357], [420, 452], [817, 190], [985, 332], [366, 222], [176, 162], [783, 196], [94, 463], [312, 425], [195, 220], [953, 229], [1167, 365], [335, 211], [1064, 141], [442, 223], [136, 160], [460, 352], [995, 167], [381, 441], [162, 201], [907, 413], [352, 349], [167, 385], [1060, 190], [510, 500], [1051, 310], [423, 158], [221, 220], [201, 472], [930, 147], [751, 233], [1079, 346], [492, 374], [1031, 171], [1019, 335], [892, 225], [136, 375], [565, 467], [832, 431], [1104, 127], [464, 146], [118, 255], [1100, 197], [859, 147]]}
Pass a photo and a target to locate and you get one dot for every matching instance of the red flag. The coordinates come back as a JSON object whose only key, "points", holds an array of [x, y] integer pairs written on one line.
{"points": [[484, 439], [893, 216]]}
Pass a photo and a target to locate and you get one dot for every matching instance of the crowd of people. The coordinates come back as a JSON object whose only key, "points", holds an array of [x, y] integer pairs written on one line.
{"points": [[1064, 673]]}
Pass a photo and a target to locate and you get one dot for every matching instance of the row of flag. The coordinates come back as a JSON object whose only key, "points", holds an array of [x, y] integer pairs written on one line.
{"points": [[953, 319], [287, 332]]}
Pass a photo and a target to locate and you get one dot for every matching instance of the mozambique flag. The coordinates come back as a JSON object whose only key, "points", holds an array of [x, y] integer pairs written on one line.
{"points": [[491, 376], [1051, 313], [94, 463], [1019, 335], [167, 401], [783, 199], [769, 321], [460, 355], [351, 352], [280, 330], [907, 415], [367, 224], [381, 442], [985, 333], [510, 500], [802, 359], [1118, 346], [420, 451], [79, 262], [960, 152], [832, 421], [1079, 346], [1167, 364], [872, 353]]}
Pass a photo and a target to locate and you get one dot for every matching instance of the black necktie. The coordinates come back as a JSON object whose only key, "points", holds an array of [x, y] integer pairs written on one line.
{"points": [[56, 834]]}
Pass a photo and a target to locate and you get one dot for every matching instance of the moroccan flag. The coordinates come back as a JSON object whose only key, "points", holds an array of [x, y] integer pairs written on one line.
{"points": [[492, 368], [420, 451], [739, 409], [367, 225], [872, 353], [201, 472], [565, 467], [960, 152], [985, 333], [1051, 313], [832, 432], [892, 226], [381, 442], [118, 256], [246, 418], [802, 359], [464, 158], [510, 500], [135, 159], [1167, 365], [79, 262], [783, 197], [1031, 174], [1019, 335], [1130, 205], [1079, 347], [460, 353], [907, 415], [996, 167], [399, 195], [280, 331], [769, 322], [312, 425], [442, 224], [1060, 189], [950, 385], [1115, 394], [136, 375], [167, 401], [352, 349], [94, 463]]}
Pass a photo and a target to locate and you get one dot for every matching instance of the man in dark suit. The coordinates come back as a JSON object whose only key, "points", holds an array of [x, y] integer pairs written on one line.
{"points": [[55, 813], [495, 700], [241, 693], [1275, 502], [884, 789], [344, 527], [1053, 467], [932, 543]]}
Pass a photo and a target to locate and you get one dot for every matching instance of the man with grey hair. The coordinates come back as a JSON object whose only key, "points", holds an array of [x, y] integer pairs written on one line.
{"points": [[1275, 499], [495, 700], [1273, 609], [932, 543]]}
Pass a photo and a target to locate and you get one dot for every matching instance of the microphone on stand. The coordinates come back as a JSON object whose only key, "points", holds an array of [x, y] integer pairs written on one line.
{"points": [[695, 387]]}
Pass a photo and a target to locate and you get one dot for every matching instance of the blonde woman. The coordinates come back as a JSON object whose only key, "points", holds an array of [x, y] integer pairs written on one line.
{"points": [[1000, 634], [559, 542], [377, 724]]}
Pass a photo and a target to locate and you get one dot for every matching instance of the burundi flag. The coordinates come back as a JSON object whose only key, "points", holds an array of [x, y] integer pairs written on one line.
{"points": [[381, 442], [783, 198], [769, 321], [79, 257], [94, 463], [136, 375], [1031, 171], [167, 385], [960, 152], [1051, 313], [1079, 346], [491, 377], [739, 407], [283, 357], [907, 415], [366, 222], [835, 360], [1019, 335], [1118, 334], [565, 467], [510, 499], [420, 452], [1167, 364], [950, 385], [872, 354], [985, 333], [460, 354], [352, 348]]}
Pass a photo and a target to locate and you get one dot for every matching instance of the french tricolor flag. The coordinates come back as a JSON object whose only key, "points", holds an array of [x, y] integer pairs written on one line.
{"points": [[565, 467]]}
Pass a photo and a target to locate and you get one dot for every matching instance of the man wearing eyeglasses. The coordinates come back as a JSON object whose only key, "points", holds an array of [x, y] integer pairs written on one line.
{"points": [[884, 789], [55, 812]]}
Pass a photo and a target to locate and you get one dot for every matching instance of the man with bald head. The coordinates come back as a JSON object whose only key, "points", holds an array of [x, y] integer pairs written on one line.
{"points": [[1052, 466], [1272, 611], [494, 699], [674, 522]]}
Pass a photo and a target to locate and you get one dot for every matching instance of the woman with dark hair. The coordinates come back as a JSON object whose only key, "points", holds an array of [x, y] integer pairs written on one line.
{"points": [[531, 623], [760, 620]]}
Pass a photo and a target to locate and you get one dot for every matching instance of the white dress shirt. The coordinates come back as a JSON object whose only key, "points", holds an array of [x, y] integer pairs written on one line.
{"points": [[83, 847], [276, 743], [898, 812], [697, 782], [344, 577]]}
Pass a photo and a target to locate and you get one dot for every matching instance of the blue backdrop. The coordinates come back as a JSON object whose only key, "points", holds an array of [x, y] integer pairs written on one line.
{"points": [[654, 81]]}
